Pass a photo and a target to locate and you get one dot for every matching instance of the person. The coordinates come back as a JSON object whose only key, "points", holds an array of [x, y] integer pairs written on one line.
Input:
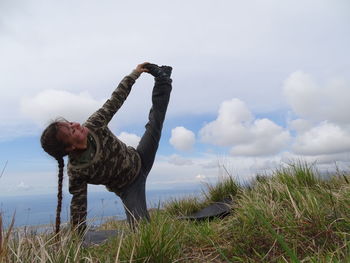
{"points": [[97, 156]]}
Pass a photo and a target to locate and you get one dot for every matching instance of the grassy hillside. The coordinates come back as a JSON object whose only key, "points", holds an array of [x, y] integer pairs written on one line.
{"points": [[292, 216]]}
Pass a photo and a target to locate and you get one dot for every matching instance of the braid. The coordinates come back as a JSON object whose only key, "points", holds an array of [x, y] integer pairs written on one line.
{"points": [[59, 194], [56, 148]]}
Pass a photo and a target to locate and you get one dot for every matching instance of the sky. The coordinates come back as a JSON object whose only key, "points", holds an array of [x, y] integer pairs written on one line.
{"points": [[256, 84]]}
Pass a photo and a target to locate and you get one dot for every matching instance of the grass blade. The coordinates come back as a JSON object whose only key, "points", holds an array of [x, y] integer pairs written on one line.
{"points": [[279, 238]]}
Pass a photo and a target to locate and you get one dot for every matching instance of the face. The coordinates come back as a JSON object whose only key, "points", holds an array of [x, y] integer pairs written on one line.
{"points": [[73, 134]]}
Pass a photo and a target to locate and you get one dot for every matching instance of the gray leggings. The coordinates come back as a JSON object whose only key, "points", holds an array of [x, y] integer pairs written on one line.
{"points": [[134, 196]]}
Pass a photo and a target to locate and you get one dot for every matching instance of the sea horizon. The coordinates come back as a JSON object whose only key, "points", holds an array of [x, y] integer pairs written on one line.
{"points": [[38, 210]]}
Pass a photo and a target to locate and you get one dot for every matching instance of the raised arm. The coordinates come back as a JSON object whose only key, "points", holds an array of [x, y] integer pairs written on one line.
{"points": [[103, 116], [78, 206]]}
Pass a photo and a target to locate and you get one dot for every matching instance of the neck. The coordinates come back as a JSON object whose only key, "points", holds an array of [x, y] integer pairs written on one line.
{"points": [[79, 149], [76, 153]]}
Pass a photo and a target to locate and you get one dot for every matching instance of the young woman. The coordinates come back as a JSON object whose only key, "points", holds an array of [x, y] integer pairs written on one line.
{"points": [[97, 156]]}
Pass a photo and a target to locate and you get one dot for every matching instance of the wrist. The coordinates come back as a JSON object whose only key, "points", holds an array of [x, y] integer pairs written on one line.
{"points": [[135, 74]]}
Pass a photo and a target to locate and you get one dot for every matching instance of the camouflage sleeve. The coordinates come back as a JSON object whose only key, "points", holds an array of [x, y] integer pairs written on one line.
{"points": [[78, 206], [102, 116]]}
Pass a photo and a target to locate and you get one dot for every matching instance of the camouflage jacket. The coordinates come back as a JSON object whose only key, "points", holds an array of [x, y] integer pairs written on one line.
{"points": [[114, 164]]}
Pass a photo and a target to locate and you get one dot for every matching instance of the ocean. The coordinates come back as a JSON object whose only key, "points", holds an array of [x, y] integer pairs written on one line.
{"points": [[37, 210]]}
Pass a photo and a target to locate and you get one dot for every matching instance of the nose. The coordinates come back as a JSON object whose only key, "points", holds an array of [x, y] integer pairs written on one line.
{"points": [[75, 124]]}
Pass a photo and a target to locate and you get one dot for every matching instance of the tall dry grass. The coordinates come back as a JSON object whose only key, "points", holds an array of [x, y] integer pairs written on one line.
{"points": [[292, 216]]}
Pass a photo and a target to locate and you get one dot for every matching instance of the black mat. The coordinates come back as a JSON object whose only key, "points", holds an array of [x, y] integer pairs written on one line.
{"points": [[96, 237], [215, 210]]}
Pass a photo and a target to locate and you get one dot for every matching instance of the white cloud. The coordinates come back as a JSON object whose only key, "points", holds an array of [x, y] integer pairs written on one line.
{"points": [[182, 138], [300, 125], [60, 46], [264, 165], [230, 126], [301, 93], [50, 104], [200, 177], [267, 139], [318, 103], [129, 139], [323, 129], [14, 128], [235, 127], [166, 173], [42, 181], [23, 187], [43, 45], [211, 164], [325, 161], [179, 160], [241, 168], [326, 138]]}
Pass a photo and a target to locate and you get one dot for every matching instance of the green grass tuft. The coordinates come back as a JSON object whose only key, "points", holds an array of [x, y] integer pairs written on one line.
{"points": [[290, 216], [184, 206], [224, 189]]}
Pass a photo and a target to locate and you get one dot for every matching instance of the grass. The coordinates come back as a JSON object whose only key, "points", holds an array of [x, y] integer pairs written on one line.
{"points": [[291, 216], [226, 188]]}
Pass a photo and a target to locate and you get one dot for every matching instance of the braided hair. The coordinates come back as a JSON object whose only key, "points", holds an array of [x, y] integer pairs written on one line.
{"points": [[56, 148]]}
